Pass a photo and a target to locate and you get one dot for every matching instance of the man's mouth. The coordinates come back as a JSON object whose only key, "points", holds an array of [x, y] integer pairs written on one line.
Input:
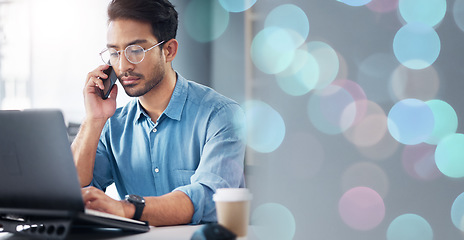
{"points": [[129, 80]]}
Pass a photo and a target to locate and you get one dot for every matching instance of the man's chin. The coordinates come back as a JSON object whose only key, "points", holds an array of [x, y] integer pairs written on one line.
{"points": [[131, 91]]}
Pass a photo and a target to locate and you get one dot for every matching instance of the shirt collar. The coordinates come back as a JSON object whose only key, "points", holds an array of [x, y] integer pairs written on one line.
{"points": [[176, 103], [140, 112], [178, 99]]}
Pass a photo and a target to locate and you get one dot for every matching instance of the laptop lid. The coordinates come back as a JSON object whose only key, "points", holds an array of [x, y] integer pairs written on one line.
{"points": [[37, 172], [40, 195]]}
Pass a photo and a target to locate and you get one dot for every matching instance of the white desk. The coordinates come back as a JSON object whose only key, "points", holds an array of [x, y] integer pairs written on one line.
{"points": [[183, 232]]}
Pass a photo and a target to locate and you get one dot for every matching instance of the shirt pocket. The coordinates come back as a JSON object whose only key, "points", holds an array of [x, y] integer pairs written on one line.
{"points": [[182, 177]]}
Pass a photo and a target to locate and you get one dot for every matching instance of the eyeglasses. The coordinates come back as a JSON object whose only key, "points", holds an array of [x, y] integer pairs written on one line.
{"points": [[133, 53]]}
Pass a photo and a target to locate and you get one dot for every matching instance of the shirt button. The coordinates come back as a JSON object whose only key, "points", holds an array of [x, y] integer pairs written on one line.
{"points": [[155, 130], [157, 170]]}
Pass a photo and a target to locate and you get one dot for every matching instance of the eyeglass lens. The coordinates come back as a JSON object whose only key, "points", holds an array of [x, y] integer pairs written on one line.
{"points": [[133, 53]]}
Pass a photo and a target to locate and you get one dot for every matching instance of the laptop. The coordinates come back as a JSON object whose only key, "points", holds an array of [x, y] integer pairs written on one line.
{"points": [[40, 193]]}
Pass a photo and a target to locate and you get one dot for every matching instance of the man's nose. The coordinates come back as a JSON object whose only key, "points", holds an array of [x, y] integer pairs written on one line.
{"points": [[124, 64]]}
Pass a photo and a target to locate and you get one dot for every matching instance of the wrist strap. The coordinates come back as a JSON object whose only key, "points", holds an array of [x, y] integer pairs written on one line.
{"points": [[139, 204], [138, 211]]}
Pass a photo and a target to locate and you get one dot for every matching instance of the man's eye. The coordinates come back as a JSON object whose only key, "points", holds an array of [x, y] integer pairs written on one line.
{"points": [[136, 51]]}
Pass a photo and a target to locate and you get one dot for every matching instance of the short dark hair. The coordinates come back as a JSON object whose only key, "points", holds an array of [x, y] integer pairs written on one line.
{"points": [[159, 13]]}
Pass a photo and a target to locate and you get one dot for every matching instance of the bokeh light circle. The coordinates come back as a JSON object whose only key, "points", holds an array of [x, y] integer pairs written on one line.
{"points": [[289, 17], [371, 126], [361, 208], [457, 212], [326, 109], [458, 13], [369, 131], [419, 161], [446, 120], [328, 61], [359, 106], [273, 221], [342, 67], [273, 50], [449, 155], [408, 227], [373, 71], [411, 121], [384, 149], [355, 3], [383, 6], [265, 126], [301, 76], [366, 174], [429, 12], [416, 45], [237, 5], [422, 84], [205, 21]]}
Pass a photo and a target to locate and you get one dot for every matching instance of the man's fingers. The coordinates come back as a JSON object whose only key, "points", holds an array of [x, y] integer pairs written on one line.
{"points": [[93, 198], [90, 193], [94, 77]]}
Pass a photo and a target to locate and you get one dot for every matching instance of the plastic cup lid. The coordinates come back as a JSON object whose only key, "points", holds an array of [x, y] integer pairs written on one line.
{"points": [[232, 195]]}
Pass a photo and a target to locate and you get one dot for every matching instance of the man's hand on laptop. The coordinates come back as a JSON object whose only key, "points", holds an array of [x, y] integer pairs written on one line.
{"points": [[96, 199]]}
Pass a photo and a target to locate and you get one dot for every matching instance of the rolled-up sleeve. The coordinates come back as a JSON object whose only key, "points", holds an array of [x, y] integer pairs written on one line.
{"points": [[221, 163]]}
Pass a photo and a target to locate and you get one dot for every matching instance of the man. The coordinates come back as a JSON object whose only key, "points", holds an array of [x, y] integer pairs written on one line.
{"points": [[172, 146]]}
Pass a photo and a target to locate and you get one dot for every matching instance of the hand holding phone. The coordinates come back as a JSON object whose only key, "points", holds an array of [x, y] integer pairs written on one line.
{"points": [[109, 82]]}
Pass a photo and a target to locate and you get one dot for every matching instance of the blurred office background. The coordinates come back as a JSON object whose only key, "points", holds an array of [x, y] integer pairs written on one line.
{"points": [[354, 107]]}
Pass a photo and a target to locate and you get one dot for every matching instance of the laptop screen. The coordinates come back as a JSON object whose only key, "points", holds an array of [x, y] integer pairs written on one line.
{"points": [[37, 171]]}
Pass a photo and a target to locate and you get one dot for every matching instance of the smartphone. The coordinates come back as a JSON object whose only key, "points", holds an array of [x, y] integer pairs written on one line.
{"points": [[109, 82]]}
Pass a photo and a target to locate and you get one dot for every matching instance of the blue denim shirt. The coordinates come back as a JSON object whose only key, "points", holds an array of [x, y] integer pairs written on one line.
{"points": [[196, 146]]}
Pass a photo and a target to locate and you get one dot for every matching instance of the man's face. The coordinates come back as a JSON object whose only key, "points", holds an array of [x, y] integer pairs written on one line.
{"points": [[136, 79]]}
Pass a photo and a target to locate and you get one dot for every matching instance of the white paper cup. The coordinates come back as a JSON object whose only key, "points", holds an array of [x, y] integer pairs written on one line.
{"points": [[233, 209]]}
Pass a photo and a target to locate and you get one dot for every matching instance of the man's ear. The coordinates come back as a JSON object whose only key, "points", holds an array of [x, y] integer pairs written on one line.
{"points": [[170, 49]]}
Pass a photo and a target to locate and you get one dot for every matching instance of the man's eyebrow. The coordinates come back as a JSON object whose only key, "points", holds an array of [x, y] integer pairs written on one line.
{"points": [[138, 41]]}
